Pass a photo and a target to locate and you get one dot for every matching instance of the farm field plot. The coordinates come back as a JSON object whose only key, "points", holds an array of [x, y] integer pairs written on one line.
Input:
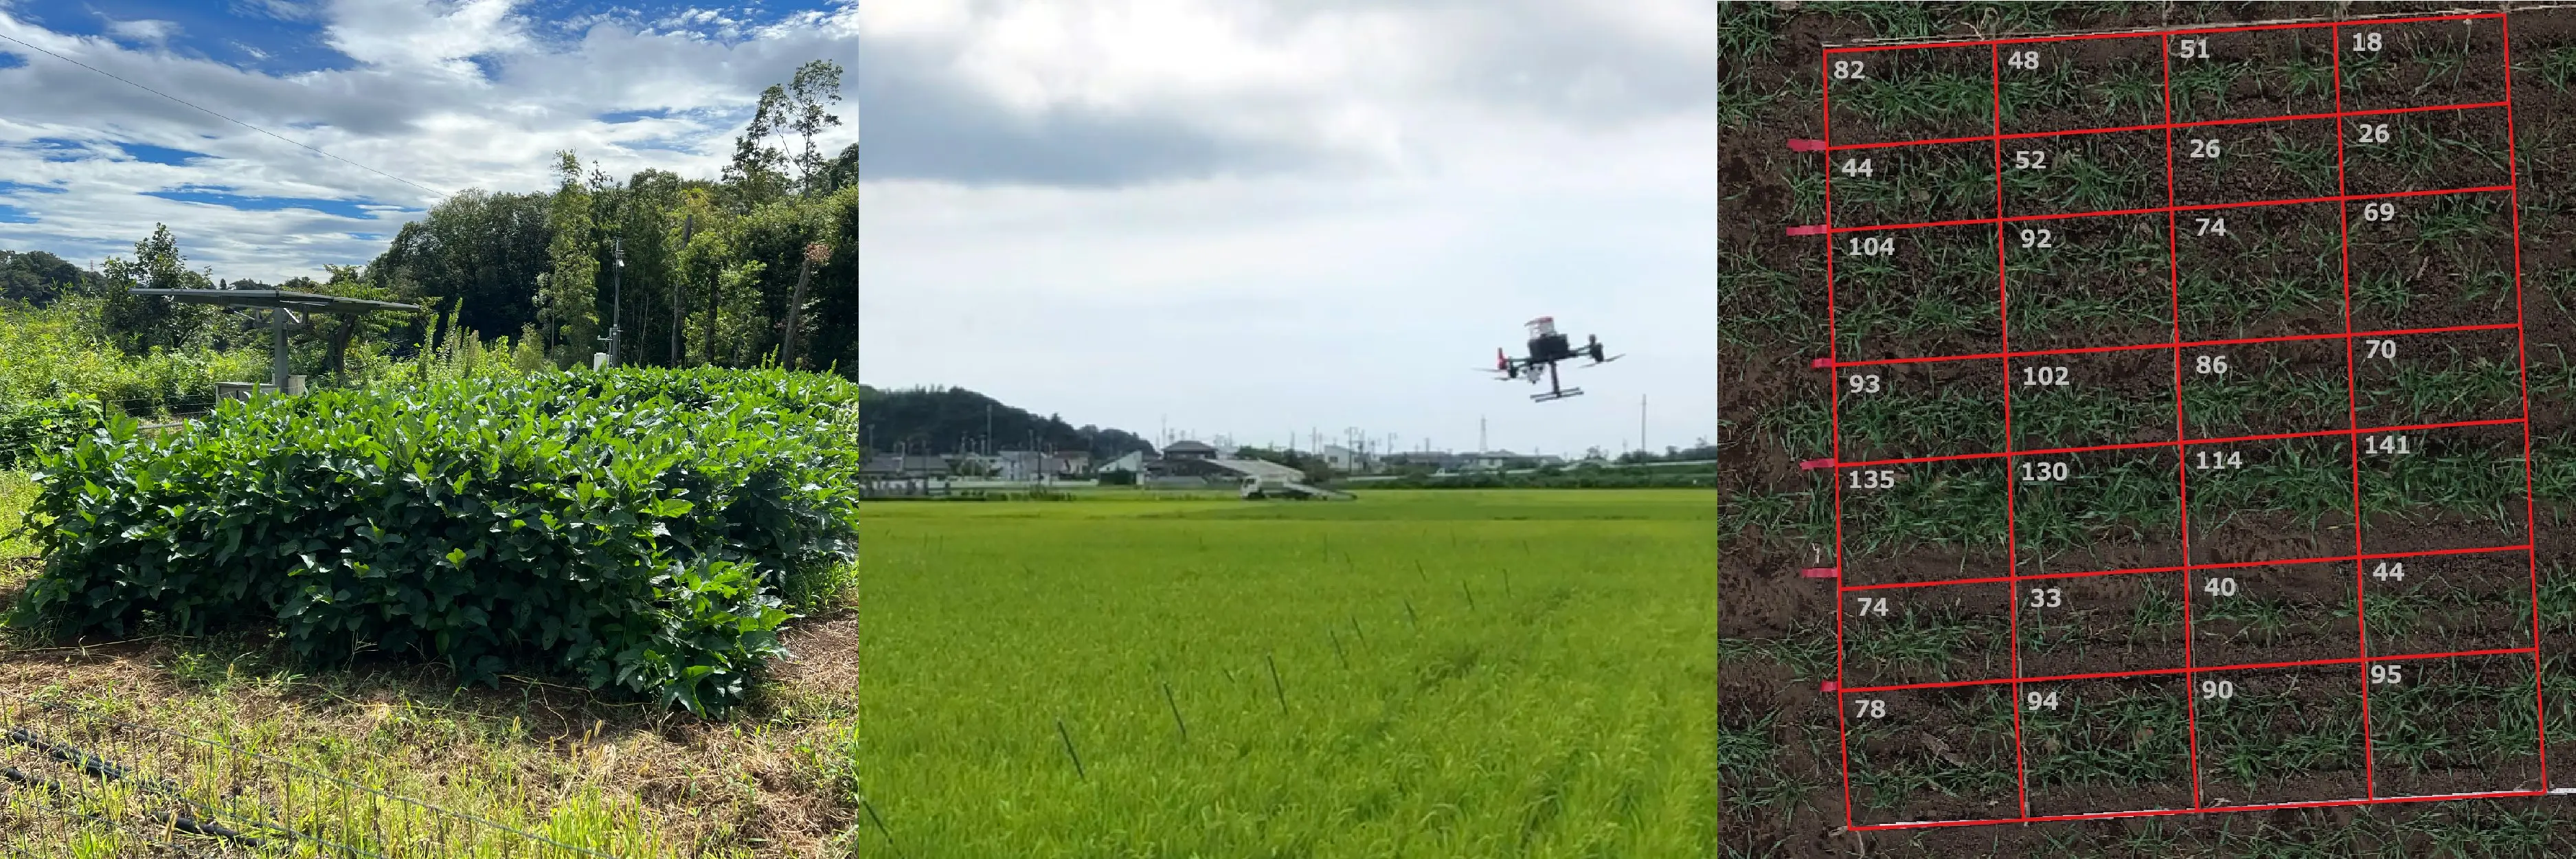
{"points": [[1416, 673], [2221, 482]]}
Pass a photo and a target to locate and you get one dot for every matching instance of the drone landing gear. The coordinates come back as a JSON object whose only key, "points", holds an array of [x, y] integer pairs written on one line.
{"points": [[1556, 395]]}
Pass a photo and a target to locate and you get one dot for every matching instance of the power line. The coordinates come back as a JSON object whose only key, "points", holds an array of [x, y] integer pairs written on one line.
{"points": [[441, 194]]}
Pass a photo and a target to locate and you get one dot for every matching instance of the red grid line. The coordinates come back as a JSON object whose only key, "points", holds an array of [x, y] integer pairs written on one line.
{"points": [[2137, 445], [2220, 565], [2522, 355], [2186, 344], [2075, 37], [2352, 402], [2018, 680], [2195, 207], [2003, 333], [2182, 428], [2160, 812], [2190, 668], [1833, 399], [2167, 125]]}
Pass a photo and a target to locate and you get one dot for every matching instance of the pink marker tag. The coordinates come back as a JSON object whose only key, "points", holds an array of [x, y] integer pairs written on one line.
{"points": [[1820, 363], [1828, 687], [1803, 144], [1820, 572], [1809, 230], [1813, 464]]}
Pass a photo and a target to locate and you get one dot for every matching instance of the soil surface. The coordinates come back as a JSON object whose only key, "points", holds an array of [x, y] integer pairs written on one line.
{"points": [[2422, 262]]}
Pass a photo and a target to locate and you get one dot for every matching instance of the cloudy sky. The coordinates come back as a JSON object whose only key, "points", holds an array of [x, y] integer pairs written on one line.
{"points": [[1264, 217], [439, 96]]}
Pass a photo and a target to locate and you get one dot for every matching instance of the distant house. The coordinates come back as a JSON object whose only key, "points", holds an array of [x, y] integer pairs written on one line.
{"points": [[886, 466], [1131, 463], [1189, 450]]}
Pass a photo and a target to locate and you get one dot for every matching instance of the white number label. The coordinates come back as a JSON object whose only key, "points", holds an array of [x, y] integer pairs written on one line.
{"points": [[2038, 238], [2046, 598], [2192, 49], [2371, 132], [1871, 605], [2388, 675], [2202, 148], [1873, 478], [2385, 571], [2213, 460], [2211, 227], [2026, 60], [2379, 211], [2033, 376], [2211, 365], [2220, 587], [2217, 689], [1868, 708], [1864, 384], [2044, 472], [1872, 246], [2030, 159], [2365, 42], [2380, 349], [1857, 167], [2384, 444], [2042, 700], [1845, 70]]}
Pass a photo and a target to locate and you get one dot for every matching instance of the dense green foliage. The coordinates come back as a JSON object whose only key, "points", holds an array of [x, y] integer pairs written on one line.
{"points": [[1416, 674], [752, 268], [956, 420], [646, 530]]}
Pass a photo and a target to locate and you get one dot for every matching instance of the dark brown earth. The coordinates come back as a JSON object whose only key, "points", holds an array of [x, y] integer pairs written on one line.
{"points": [[2288, 257]]}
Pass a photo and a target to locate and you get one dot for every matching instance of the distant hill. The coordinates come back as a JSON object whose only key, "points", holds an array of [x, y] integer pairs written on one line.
{"points": [[38, 277], [955, 420]]}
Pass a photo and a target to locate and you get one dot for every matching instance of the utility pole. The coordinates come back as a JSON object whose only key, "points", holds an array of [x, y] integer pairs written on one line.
{"points": [[617, 300], [1480, 435], [688, 230], [1641, 424]]}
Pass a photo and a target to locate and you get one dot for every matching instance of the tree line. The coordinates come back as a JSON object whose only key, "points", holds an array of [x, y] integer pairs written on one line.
{"points": [[752, 267]]}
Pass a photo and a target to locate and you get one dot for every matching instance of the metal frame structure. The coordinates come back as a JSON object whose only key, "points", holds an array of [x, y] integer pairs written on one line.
{"points": [[281, 305]]}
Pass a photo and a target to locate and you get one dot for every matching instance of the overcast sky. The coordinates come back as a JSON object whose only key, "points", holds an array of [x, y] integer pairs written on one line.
{"points": [[1261, 218], [446, 95]]}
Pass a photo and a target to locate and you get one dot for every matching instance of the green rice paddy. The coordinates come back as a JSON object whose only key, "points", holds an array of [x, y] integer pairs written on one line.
{"points": [[1427, 673]]}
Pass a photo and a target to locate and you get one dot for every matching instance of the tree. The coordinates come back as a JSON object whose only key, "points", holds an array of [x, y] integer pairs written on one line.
{"points": [[570, 297], [139, 323], [811, 92]]}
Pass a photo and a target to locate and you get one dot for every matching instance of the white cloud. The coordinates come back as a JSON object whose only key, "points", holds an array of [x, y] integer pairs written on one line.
{"points": [[156, 33], [411, 104], [1260, 217]]}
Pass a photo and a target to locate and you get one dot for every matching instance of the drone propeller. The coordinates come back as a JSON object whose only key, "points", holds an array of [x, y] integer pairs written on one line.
{"points": [[1607, 360]]}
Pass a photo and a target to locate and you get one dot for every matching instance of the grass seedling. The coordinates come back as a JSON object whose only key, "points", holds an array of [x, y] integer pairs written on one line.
{"points": [[2465, 388], [2297, 478], [1930, 505], [1942, 643], [2094, 740], [1922, 421], [2200, 87]]}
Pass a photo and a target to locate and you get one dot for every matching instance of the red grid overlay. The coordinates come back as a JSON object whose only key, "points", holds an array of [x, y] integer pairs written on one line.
{"points": [[2187, 667]]}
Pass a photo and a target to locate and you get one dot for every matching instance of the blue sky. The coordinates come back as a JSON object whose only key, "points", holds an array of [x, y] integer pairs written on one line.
{"points": [[1270, 217], [440, 94]]}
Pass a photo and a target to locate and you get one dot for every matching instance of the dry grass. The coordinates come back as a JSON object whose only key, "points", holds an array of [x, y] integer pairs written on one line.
{"points": [[765, 782]]}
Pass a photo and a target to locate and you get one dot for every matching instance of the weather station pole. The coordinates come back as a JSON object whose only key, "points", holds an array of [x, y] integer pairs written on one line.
{"points": [[277, 349], [617, 299]]}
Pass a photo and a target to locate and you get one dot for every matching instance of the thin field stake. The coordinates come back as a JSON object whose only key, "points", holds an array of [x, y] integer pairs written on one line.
{"points": [[1276, 687], [1418, 573], [1355, 630], [1507, 582], [1337, 648], [1409, 619], [881, 827], [1068, 750], [1176, 713], [1471, 595]]}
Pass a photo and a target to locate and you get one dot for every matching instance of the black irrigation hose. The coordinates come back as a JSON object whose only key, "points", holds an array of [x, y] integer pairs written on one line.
{"points": [[107, 771]]}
